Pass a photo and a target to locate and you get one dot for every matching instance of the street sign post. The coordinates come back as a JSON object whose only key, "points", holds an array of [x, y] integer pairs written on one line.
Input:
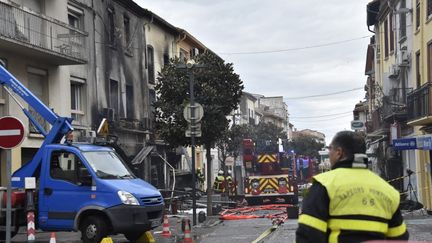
{"points": [[357, 125], [11, 135], [197, 115], [195, 130], [188, 133]]}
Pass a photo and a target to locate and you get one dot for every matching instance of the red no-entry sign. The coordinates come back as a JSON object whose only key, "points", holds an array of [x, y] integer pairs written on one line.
{"points": [[11, 132]]}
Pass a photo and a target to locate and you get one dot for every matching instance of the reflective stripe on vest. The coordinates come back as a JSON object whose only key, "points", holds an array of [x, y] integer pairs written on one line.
{"points": [[359, 192], [356, 224], [313, 222], [396, 231]]}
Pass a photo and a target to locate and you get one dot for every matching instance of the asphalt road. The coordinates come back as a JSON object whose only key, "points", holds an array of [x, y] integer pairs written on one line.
{"points": [[419, 226], [215, 231]]}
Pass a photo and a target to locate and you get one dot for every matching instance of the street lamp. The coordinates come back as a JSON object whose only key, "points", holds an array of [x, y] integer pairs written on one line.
{"points": [[189, 65], [194, 117]]}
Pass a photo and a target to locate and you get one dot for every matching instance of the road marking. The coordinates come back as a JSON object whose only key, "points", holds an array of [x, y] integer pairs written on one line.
{"points": [[11, 132]]}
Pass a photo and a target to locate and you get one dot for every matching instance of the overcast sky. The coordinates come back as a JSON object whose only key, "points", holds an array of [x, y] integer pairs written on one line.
{"points": [[239, 26]]}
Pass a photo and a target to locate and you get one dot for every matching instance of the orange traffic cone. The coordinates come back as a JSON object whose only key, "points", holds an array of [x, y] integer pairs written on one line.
{"points": [[166, 230], [53, 238], [187, 233]]}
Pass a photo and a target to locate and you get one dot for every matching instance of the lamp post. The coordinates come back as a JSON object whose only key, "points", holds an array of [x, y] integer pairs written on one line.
{"points": [[190, 64], [193, 114], [194, 117]]}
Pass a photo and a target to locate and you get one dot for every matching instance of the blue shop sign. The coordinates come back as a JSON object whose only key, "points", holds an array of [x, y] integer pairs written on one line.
{"points": [[424, 142], [405, 143]]}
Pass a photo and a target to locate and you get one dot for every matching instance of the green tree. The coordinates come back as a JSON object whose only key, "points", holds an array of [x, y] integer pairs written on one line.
{"points": [[267, 131], [306, 145], [217, 88]]}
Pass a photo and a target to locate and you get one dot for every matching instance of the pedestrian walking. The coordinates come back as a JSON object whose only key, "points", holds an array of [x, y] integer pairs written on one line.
{"points": [[350, 203]]}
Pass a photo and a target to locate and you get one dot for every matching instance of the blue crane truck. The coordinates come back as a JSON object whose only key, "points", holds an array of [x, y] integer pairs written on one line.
{"points": [[79, 187]]}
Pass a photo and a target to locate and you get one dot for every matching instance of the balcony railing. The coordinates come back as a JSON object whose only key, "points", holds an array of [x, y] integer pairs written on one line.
{"points": [[419, 102], [395, 104], [35, 31], [399, 95]]}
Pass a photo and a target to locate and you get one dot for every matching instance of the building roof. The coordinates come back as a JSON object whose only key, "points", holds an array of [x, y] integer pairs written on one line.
{"points": [[272, 115], [370, 57], [372, 10], [250, 96], [361, 106], [138, 10], [189, 37]]}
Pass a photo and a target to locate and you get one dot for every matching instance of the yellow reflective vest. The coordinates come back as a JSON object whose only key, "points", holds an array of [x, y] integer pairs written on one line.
{"points": [[359, 203], [359, 192], [218, 184]]}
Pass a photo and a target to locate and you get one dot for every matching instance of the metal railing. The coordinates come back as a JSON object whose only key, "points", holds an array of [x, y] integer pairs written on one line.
{"points": [[396, 102], [399, 95], [419, 102], [39, 31]]}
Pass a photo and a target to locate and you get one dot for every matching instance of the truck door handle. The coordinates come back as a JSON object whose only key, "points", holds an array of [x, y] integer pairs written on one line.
{"points": [[48, 191]]}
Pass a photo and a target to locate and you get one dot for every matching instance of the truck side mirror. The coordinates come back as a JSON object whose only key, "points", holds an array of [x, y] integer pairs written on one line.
{"points": [[84, 177]]}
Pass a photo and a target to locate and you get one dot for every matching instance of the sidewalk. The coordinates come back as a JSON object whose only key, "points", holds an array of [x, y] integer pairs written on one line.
{"points": [[419, 225]]}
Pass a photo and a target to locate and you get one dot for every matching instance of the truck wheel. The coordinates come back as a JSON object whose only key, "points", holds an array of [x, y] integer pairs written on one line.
{"points": [[133, 236], [93, 229]]}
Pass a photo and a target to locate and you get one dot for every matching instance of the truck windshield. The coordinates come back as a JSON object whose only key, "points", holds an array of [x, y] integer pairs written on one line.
{"points": [[107, 165]]}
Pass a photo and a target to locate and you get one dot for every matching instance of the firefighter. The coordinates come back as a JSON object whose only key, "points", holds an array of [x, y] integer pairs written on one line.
{"points": [[218, 186], [230, 183], [350, 203], [199, 178], [229, 178]]}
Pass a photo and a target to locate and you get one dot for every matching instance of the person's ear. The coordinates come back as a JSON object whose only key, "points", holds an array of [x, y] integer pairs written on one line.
{"points": [[339, 153]]}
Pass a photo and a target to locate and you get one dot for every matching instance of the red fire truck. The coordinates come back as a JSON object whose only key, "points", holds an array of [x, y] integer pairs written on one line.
{"points": [[270, 172]]}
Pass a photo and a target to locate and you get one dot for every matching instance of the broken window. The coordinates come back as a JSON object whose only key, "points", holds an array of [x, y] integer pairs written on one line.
{"points": [[150, 64], [129, 102], [114, 95], [126, 25], [111, 26], [166, 59]]}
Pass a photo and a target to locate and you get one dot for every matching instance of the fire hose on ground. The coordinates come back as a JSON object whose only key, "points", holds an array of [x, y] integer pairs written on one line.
{"points": [[250, 213]]}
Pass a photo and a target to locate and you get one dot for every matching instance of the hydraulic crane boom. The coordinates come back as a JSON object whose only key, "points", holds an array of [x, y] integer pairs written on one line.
{"points": [[60, 125]]}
